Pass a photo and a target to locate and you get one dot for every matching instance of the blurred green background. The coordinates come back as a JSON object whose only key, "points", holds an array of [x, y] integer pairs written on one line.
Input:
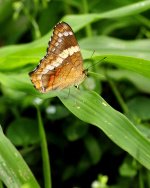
{"points": [[81, 155]]}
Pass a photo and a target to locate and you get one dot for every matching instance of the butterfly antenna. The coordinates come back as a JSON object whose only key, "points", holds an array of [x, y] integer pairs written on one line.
{"points": [[97, 63], [92, 54]]}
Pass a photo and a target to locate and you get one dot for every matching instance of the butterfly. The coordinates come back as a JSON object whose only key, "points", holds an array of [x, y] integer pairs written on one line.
{"points": [[62, 66]]}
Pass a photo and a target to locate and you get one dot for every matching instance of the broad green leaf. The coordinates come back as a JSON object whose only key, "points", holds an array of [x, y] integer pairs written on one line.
{"points": [[93, 149], [141, 82], [140, 66], [91, 108], [80, 21], [128, 168], [18, 172], [140, 106], [75, 130], [113, 46], [23, 132]]}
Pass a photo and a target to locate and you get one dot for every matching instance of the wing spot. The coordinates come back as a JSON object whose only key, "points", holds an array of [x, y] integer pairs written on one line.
{"points": [[66, 33], [56, 44], [71, 50], [60, 35], [70, 33], [49, 40], [60, 60], [64, 54], [77, 48], [56, 64], [53, 49], [59, 40], [39, 77], [47, 68]]}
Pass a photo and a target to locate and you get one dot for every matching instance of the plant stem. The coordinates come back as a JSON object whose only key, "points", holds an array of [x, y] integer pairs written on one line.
{"points": [[33, 22], [45, 155], [88, 28], [141, 183], [118, 96]]}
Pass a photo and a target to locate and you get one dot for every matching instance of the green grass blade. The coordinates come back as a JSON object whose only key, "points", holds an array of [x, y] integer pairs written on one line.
{"points": [[91, 108], [138, 65], [44, 150], [113, 46], [79, 21], [14, 174]]}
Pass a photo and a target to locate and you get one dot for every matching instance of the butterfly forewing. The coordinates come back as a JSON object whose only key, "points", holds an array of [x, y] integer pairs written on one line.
{"points": [[63, 65]]}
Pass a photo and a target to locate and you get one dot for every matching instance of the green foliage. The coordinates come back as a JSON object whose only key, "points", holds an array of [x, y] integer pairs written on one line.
{"points": [[60, 122]]}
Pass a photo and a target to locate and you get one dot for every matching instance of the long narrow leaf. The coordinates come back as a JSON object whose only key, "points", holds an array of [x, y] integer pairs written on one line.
{"points": [[13, 170], [91, 108]]}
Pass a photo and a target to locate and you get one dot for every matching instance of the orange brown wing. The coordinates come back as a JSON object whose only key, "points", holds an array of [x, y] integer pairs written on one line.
{"points": [[63, 65]]}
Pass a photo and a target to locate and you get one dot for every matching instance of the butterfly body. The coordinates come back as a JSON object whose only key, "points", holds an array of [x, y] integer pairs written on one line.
{"points": [[62, 66]]}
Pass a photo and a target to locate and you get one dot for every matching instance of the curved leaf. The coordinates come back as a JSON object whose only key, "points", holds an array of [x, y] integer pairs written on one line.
{"points": [[91, 108], [18, 172]]}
